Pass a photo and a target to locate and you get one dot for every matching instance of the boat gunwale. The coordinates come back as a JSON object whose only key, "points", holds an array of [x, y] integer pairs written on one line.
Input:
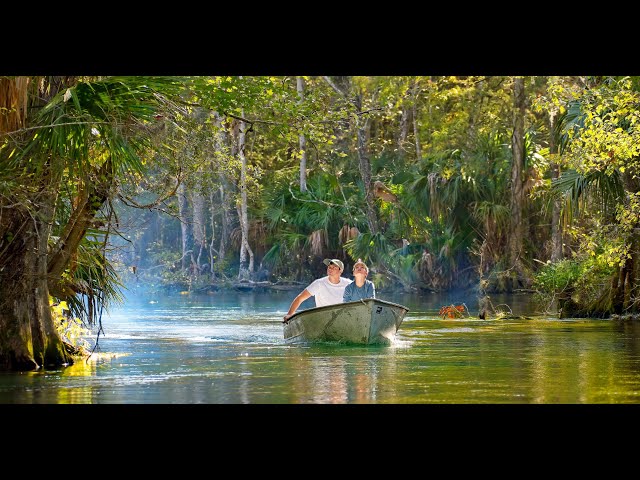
{"points": [[341, 305]]}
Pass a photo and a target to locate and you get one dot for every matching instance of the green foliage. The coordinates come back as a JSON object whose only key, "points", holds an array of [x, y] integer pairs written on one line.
{"points": [[94, 278], [222, 268], [369, 247], [70, 328], [285, 256], [584, 281], [454, 197], [470, 165], [294, 216], [588, 191], [598, 125], [609, 138], [77, 149], [558, 278], [79, 125], [405, 266]]}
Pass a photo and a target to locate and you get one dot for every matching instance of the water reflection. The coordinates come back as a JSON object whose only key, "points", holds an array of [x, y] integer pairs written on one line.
{"points": [[337, 374]]}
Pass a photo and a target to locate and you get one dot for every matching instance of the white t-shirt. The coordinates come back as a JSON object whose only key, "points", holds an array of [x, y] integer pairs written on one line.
{"points": [[327, 293]]}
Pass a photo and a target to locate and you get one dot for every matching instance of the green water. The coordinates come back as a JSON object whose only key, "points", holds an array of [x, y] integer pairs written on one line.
{"points": [[229, 349]]}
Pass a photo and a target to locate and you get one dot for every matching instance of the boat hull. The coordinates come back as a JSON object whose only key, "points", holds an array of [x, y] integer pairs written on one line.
{"points": [[369, 321]]}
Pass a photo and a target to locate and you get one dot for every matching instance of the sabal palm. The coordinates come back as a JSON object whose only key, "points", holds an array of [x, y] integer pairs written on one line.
{"points": [[101, 134], [464, 204], [65, 166], [308, 223]]}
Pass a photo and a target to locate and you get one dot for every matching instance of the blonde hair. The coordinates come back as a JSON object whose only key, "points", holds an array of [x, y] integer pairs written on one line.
{"points": [[361, 262]]}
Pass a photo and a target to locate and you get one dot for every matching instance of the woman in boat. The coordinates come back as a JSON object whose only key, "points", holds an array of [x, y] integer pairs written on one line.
{"points": [[360, 288], [326, 290]]}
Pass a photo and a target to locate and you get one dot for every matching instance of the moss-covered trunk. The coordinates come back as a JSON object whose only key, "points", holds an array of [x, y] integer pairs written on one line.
{"points": [[28, 337], [625, 283], [517, 227], [634, 273], [625, 291]]}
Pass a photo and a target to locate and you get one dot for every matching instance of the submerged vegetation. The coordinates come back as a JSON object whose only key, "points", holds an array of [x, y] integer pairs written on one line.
{"points": [[496, 183]]}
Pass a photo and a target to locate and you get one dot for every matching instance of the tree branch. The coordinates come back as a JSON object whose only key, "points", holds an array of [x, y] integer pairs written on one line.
{"points": [[91, 198], [334, 86], [130, 202]]}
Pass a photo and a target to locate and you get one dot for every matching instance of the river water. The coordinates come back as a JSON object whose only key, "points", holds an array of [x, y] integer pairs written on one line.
{"points": [[228, 348]]}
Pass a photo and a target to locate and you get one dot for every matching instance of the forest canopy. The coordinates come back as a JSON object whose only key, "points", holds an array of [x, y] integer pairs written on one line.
{"points": [[498, 183]]}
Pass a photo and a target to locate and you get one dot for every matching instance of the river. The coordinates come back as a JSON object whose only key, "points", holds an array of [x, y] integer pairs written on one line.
{"points": [[228, 348]]}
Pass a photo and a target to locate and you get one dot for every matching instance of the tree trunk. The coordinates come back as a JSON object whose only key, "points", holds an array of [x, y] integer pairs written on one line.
{"points": [[361, 132], [303, 143], [365, 167], [404, 124], [634, 271], [223, 149], [629, 277], [28, 337], [183, 216], [93, 192], [199, 227], [516, 233], [556, 227], [213, 253], [225, 201], [245, 270], [415, 91]]}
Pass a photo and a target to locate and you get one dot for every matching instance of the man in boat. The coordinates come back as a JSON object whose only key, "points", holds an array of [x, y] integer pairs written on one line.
{"points": [[326, 290], [360, 288]]}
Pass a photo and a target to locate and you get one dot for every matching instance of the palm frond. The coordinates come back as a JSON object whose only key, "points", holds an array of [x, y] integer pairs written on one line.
{"points": [[105, 115], [577, 189], [94, 276]]}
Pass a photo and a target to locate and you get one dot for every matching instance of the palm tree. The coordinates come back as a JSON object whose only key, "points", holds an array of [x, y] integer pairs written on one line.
{"points": [[305, 226], [66, 143]]}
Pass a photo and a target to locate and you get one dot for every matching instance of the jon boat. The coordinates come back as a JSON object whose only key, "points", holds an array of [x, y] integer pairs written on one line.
{"points": [[369, 321]]}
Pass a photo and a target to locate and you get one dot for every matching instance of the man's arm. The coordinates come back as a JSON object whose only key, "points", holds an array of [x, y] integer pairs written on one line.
{"points": [[302, 296]]}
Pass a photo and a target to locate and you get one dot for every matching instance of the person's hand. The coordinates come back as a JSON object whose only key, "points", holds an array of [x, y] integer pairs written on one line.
{"points": [[286, 317]]}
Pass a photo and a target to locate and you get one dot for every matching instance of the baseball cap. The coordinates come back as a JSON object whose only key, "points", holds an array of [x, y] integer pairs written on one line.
{"points": [[335, 261]]}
